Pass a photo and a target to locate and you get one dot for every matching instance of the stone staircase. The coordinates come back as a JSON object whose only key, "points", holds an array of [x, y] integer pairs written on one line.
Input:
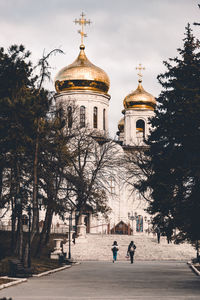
{"points": [[98, 247]]}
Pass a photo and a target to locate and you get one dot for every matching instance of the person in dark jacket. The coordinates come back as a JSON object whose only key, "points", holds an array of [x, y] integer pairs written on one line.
{"points": [[115, 249], [158, 234], [131, 251]]}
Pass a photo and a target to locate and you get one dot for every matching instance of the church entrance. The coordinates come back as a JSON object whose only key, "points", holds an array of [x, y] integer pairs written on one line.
{"points": [[120, 228], [139, 224]]}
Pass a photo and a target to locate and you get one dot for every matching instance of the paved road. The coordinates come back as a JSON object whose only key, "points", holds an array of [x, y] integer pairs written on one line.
{"points": [[105, 280]]}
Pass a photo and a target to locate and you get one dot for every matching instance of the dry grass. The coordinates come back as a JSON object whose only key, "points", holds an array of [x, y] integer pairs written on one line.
{"points": [[197, 267], [40, 266], [5, 280]]}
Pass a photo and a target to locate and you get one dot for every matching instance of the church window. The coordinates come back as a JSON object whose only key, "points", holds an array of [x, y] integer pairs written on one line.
{"points": [[82, 116], [140, 129], [69, 116], [95, 117], [104, 119]]}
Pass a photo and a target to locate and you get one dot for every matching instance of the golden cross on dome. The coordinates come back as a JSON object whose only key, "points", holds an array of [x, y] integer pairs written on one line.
{"points": [[140, 68], [83, 22]]}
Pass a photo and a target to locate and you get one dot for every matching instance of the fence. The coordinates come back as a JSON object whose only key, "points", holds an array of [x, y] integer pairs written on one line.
{"points": [[55, 228]]}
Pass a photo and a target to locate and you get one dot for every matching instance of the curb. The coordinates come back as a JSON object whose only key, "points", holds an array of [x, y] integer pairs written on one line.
{"points": [[76, 263], [16, 281], [193, 268], [51, 271]]}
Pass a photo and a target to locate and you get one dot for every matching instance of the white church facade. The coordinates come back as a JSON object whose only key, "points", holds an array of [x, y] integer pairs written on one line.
{"points": [[86, 85]]}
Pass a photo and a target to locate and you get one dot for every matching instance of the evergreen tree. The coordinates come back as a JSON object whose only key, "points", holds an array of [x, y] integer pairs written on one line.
{"points": [[24, 107], [16, 90], [174, 144]]}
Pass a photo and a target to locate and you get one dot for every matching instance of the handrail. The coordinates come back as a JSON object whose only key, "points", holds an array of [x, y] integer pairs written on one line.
{"points": [[98, 225]]}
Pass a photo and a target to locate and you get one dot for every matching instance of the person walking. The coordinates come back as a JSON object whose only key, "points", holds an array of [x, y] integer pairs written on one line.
{"points": [[131, 251], [158, 234], [169, 233], [115, 249]]}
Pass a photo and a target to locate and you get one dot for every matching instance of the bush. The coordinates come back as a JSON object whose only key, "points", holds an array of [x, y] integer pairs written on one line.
{"points": [[5, 266]]}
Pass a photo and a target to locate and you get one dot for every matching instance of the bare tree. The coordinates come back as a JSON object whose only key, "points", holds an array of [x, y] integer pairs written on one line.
{"points": [[92, 160], [136, 168]]}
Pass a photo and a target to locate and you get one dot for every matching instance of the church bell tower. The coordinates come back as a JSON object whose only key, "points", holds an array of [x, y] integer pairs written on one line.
{"points": [[138, 108], [85, 86]]}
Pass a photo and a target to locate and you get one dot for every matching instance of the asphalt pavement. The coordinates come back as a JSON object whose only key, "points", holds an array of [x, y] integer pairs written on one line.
{"points": [[107, 280]]}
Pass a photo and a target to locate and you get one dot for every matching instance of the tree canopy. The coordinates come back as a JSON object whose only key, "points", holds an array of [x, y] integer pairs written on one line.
{"points": [[174, 144]]}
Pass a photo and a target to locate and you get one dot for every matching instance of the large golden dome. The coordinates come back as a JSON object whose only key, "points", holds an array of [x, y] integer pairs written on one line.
{"points": [[139, 99], [82, 75]]}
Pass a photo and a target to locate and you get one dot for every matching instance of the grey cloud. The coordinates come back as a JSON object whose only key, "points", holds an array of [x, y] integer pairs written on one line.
{"points": [[123, 33]]}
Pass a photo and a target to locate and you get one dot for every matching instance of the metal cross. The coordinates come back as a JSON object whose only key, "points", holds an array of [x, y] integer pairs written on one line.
{"points": [[82, 22], [140, 68]]}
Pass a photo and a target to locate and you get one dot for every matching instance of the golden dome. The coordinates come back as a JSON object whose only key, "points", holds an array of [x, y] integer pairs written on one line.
{"points": [[121, 125], [139, 99], [82, 75]]}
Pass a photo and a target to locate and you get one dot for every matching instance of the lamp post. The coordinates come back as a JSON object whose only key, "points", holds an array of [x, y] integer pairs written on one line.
{"points": [[19, 237], [70, 224], [70, 229], [29, 236], [132, 218]]}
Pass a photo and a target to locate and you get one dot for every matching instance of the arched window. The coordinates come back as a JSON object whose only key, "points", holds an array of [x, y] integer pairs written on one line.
{"points": [[95, 112], [104, 119], [140, 128], [139, 223], [82, 116], [69, 116]]}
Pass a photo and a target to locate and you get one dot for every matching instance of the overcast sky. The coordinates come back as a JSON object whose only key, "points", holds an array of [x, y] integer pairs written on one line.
{"points": [[123, 34]]}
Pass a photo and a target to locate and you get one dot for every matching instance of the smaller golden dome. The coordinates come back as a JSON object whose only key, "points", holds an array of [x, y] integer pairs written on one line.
{"points": [[139, 99], [121, 125], [82, 75]]}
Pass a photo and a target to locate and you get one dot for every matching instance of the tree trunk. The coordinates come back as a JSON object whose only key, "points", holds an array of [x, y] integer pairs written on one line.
{"points": [[18, 210], [19, 237], [35, 220], [13, 217], [13, 220], [35, 215], [49, 222], [44, 235]]}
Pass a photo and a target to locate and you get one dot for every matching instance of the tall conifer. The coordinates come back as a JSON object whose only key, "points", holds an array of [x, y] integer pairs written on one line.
{"points": [[175, 143]]}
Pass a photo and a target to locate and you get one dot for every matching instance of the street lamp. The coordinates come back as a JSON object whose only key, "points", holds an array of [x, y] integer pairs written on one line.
{"points": [[132, 218], [70, 228], [70, 224]]}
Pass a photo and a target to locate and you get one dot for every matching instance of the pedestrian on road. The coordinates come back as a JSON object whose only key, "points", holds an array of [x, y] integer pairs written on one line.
{"points": [[131, 250], [115, 249], [158, 234]]}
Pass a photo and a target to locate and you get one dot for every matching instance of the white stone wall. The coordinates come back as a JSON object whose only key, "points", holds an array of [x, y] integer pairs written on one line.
{"points": [[131, 117], [89, 100]]}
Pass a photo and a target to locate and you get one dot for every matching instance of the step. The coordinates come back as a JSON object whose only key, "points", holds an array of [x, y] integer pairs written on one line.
{"points": [[98, 247]]}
